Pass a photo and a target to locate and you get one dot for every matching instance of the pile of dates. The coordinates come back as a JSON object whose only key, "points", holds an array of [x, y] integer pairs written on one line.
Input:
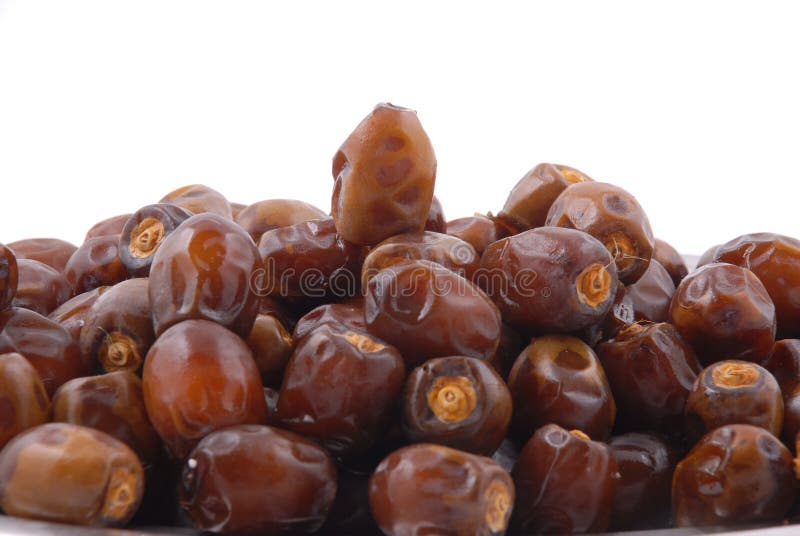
{"points": [[273, 368]]}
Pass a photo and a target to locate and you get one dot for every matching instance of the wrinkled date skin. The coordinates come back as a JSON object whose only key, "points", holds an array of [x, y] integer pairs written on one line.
{"points": [[651, 370], [269, 214], [652, 294], [70, 474], [724, 312], [435, 222], [95, 264], [530, 199], [112, 403], [46, 345], [448, 251], [346, 315], [198, 199], [614, 217], [775, 259], [118, 329], [558, 379], [734, 392], [199, 377], [71, 314], [549, 279], [672, 261], [459, 402], [9, 277], [272, 346], [257, 480], [143, 233], [23, 400], [426, 311], [54, 252], [40, 288], [109, 226], [204, 270], [340, 388], [431, 489], [565, 484], [385, 173], [737, 474], [477, 231], [309, 259], [646, 463]]}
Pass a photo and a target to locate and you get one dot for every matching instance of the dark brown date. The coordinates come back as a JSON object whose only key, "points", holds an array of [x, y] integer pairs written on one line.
{"points": [[70, 474], [549, 279], [340, 388], [199, 377], [269, 214], [724, 312], [204, 270], [118, 328], [71, 315], [109, 226], [112, 403], [477, 231], [271, 345], [459, 402], [734, 392], [426, 310], [46, 345], [565, 483], [95, 264], [345, 315], [143, 233], [198, 199], [9, 277], [257, 480], [51, 251], [435, 221], [652, 294], [385, 173], [651, 370], [558, 379], [23, 400], [672, 261], [40, 288], [614, 217], [737, 474], [784, 364], [431, 489], [530, 199]]}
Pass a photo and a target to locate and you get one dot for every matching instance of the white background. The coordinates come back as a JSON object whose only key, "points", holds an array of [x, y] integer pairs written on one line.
{"points": [[693, 107]]}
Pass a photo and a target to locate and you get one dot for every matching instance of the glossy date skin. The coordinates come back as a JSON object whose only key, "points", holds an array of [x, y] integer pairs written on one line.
{"points": [[40, 288], [558, 379], [652, 294], [9, 277], [109, 226], [204, 270], [459, 402], [549, 279], [783, 363], [435, 221], [95, 263], [672, 261], [272, 346], [340, 388], [143, 233], [445, 250], [530, 199], [309, 259], [198, 199], [23, 400], [112, 403], [724, 312], [384, 176], [101, 477], [348, 315], [199, 377], [614, 217], [651, 370], [433, 489], [269, 214], [734, 392], [477, 231], [775, 260], [426, 311], [257, 480], [46, 345], [71, 315], [54, 252], [737, 474], [565, 484], [118, 328]]}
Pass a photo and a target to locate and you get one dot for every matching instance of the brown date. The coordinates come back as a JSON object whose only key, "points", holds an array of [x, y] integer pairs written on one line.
{"points": [[459, 402], [199, 377], [346, 315], [9, 277], [70, 474], [672, 261], [783, 363], [257, 480], [40, 288], [198, 199], [652, 294], [477, 231], [269, 214], [384, 177], [204, 270], [109, 226], [431, 489], [23, 400], [272, 346], [143, 233], [54, 252], [71, 315], [435, 221], [95, 264], [614, 217]]}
